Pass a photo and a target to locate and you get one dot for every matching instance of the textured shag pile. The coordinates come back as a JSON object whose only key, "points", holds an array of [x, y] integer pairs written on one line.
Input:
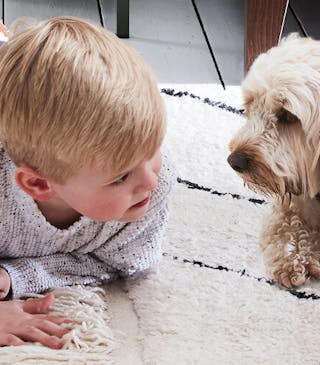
{"points": [[210, 301]]}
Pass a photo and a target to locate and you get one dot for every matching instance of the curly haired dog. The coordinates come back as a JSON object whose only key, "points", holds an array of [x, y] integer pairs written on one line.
{"points": [[277, 153]]}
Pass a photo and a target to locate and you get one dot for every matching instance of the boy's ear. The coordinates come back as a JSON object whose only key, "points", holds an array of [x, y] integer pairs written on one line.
{"points": [[33, 183]]}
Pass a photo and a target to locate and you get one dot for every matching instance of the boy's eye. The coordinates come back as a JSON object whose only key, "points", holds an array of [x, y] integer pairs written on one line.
{"points": [[121, 180]]}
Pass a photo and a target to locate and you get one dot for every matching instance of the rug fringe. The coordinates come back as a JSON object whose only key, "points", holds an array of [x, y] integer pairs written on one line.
{"points": [[90, 342]]}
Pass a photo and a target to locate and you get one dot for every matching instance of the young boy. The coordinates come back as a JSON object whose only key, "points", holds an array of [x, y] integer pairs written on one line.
{"points": [[84, 187]]}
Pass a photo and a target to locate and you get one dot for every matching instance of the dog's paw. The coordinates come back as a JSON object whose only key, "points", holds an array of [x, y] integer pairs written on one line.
{"points": [[296, 272]]}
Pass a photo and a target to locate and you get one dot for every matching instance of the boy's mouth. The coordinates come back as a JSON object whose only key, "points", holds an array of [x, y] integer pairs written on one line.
{"points": [[142, 202]]}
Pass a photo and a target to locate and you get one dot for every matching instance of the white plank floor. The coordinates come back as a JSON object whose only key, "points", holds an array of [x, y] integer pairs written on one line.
{"points": [[43, 9], [168, 34], [226, 18]]}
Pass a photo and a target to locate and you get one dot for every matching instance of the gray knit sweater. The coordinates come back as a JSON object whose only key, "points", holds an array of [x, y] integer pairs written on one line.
{"points": [[39, 256]]}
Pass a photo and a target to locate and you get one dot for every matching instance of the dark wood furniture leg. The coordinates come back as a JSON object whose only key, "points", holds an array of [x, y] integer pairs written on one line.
{"points": [[123, 18], [265, 20]]}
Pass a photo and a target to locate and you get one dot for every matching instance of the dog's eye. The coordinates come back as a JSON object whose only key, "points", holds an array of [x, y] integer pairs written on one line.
{"points": [[284, 116]]}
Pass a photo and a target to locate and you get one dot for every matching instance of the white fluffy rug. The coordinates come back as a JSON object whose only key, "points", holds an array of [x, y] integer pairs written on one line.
{"points": [[210, 301]]}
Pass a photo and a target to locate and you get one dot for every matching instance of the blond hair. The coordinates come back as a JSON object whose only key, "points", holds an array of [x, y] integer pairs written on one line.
{"points": [[72, 94]]}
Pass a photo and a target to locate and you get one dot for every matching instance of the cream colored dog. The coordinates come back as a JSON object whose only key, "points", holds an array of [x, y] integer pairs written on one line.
{"points": [[277, 153]]}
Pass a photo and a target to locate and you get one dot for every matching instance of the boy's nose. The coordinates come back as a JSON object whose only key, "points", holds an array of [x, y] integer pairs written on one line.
{"points": [[148, 182]]}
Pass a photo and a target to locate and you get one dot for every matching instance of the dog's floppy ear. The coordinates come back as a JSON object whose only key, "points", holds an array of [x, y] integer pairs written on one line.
{"points": [[248, 99], [285, 116], [309, 120]]}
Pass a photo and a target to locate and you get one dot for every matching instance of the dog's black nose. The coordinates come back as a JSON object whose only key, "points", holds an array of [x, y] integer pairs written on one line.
{"points": [[239, 161]]}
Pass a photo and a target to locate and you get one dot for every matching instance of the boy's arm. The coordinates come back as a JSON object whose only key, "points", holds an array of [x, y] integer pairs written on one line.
{"points": [[36, 274], [135, 248]]}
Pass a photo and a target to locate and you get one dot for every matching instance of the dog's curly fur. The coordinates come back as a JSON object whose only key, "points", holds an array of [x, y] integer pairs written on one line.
{"points": [[277, 153]]}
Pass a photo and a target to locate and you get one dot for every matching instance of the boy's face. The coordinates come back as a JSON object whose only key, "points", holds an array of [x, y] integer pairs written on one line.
{"points": [[106, 198]]}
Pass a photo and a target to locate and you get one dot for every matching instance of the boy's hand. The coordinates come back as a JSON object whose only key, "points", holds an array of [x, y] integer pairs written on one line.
{"points": [[5, 283], [25, 321]]}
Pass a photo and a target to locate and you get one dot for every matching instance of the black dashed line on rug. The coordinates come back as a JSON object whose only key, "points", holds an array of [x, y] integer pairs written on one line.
{"points": [[243, 272], [192, 185], [218, 104]]}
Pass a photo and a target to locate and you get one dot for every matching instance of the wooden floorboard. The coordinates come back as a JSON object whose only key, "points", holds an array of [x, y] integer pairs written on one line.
{"points": [[40, 9], [224, 23], [264, 24], [168, 35]]}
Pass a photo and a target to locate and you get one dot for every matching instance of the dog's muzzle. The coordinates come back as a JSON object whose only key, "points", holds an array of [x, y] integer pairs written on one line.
{"points": [[239, 161]]}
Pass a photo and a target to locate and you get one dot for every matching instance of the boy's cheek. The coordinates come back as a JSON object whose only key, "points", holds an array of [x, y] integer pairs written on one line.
{"points": [[158, 164]]}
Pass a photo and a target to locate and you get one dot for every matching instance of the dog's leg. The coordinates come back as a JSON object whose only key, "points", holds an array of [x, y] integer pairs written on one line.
{"points": [[290, 247]]}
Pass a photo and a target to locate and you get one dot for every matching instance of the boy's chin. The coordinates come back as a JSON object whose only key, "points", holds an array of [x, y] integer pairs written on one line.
{"points": [[133, 216]]}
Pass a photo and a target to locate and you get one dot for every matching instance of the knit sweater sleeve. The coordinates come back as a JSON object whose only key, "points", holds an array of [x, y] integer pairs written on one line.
{"points": [[32, 275], [123, 255], [133, 248]]}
